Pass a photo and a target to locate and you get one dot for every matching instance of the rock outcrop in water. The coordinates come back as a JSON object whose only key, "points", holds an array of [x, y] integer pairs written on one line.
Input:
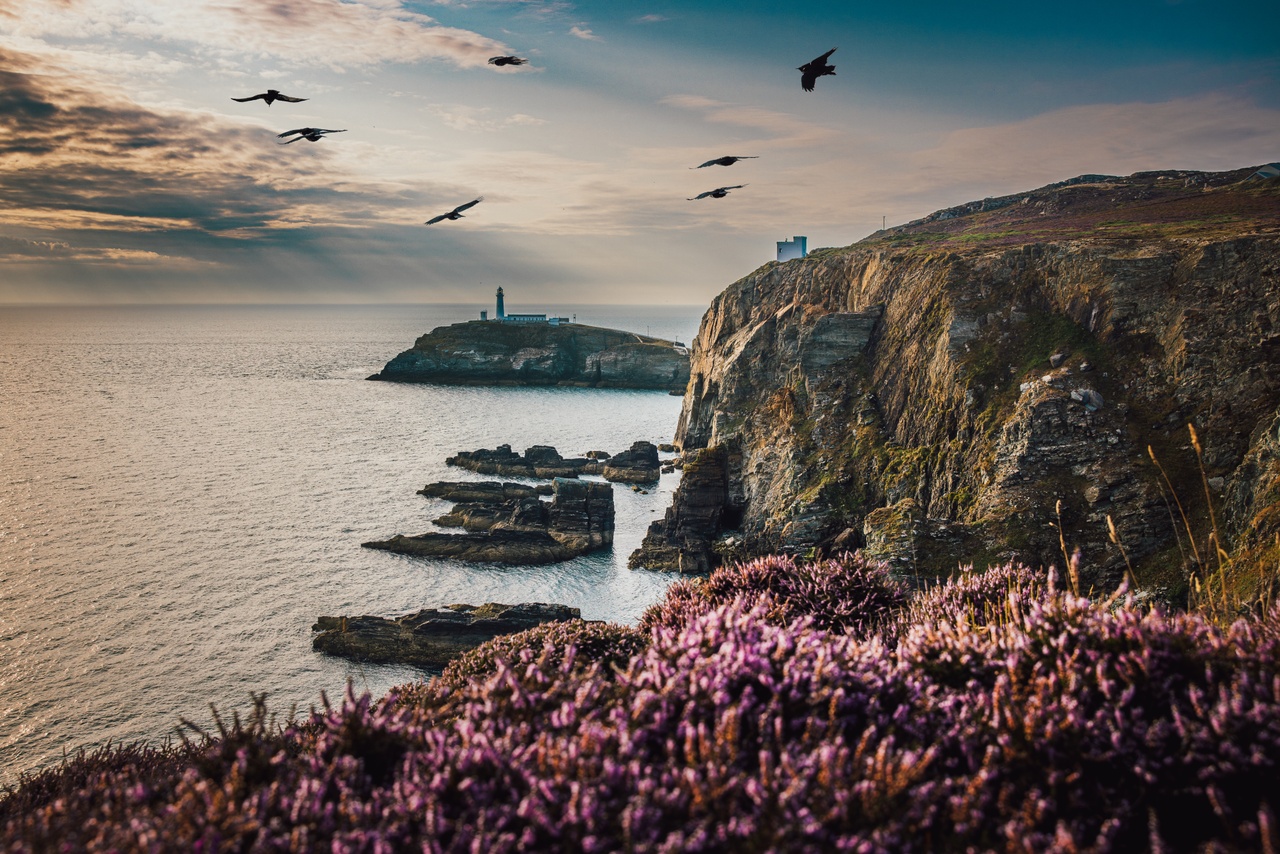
{"points": [[493, 353], [638, 464], [431, 637], [936, 392], [518, 530]]}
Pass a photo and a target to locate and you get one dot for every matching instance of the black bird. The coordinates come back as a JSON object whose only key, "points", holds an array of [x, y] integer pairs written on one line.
{"points": [[727, 160], [269, 96], [456, 213], [717, 193], [811, 71], [506, 60], [311, 134]]}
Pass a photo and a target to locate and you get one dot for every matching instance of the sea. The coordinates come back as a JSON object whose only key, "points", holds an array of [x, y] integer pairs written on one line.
{"points": [[184, 490]]}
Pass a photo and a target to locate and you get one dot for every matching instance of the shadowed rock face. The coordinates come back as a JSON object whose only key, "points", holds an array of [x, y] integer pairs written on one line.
{"points": [[430, 638], [933, 392], [490, 353], [517, 530]]}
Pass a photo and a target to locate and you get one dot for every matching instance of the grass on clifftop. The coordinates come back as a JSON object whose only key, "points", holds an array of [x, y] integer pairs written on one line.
{"points": [[1127, 209]]}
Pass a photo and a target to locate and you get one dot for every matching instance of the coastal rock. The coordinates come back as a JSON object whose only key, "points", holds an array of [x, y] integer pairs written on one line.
{"points": [[430, 638], [485, 490], [496, 353], [579, 519], [638, 464], [911, 368], [702, 508]]}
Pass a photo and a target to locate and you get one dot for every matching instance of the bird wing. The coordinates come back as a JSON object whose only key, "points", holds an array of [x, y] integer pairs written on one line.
{"points": [[822, 60], [289, 98], [734, 187], [250, 98], [708, 163], [470, 204], [295, 139], [436, 219], [297, 130], [701, 195], [324, 130]]}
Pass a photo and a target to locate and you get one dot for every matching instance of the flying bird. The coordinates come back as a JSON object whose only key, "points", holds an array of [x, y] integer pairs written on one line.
{"points": [[727, 160], [811, 71], [717, 193], [456, 213], [269, 96], [506, 60], [311, 134]]}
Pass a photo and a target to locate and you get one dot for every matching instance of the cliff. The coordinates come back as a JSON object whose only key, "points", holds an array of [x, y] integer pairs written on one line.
{"points": [[492, 353], [952, 390]]}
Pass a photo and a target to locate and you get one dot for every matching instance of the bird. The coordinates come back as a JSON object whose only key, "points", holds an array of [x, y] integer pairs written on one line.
{"points": [[506, 60], [456, 213], [269, 96], [311, 134], [811, 71], [717, 193], [727, 160]]}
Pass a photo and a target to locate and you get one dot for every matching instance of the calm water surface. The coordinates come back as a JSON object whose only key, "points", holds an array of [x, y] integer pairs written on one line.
{"points": [[183, 491]]}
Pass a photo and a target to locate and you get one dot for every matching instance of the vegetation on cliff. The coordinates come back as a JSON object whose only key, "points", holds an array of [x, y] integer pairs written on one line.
{"points": [[780, 707]]}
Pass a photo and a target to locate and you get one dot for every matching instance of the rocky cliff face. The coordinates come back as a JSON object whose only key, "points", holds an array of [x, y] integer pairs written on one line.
{"points": [[949, 391], [492, 353]]}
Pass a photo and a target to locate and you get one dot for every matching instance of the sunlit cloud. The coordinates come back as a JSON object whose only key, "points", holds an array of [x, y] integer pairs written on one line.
{"points": [[328, 33], [583, 33], [651, 19]]}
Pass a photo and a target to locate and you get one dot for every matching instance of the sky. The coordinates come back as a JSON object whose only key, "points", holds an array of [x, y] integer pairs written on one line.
{"points": [[129, 175]]}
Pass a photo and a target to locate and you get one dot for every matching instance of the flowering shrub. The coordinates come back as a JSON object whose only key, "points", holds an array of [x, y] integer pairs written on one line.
{"points": [[1058, 724], [846, 593]]}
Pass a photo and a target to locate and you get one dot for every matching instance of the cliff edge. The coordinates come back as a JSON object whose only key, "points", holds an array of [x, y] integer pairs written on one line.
{"points": [[1013, 378], [496, 353]]}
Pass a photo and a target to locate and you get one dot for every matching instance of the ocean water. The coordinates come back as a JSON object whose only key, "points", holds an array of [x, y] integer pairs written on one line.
{"points": [[183, 490]]}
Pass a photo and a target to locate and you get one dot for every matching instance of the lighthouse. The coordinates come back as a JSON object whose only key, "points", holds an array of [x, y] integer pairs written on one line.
{"points": [[502, 312]]}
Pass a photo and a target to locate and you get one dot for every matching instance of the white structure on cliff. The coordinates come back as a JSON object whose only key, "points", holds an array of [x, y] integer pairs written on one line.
{"points": [[796, 247], [501, 316]]}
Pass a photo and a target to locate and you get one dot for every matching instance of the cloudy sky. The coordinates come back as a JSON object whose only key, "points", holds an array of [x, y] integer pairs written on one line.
{"points": [[127, 173]]}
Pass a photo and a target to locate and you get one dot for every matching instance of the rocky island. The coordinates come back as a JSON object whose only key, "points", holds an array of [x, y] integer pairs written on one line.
{"points": [[532, 350], [1007, 379]]}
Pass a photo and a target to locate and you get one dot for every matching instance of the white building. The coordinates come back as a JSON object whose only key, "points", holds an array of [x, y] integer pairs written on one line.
{"points": [[796, 247]]}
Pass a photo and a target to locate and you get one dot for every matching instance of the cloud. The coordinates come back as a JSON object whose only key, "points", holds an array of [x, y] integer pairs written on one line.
{"points": [[79, 160], [583, 33], [467, 118], [306, 32], [782, 129], [650, 19]]}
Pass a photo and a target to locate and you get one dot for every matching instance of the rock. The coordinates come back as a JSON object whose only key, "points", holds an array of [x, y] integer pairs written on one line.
{"points": [[1056, 360], [638, 464], [1091, 399], [493, 353], [540, 461], [683, 540], [485, 491], [430, 638], [579, 519]]}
